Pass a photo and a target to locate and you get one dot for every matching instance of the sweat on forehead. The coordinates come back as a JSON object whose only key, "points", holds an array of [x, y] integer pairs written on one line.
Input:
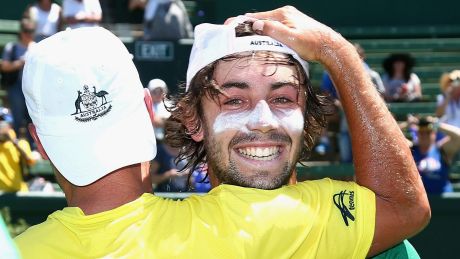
{"points": [[264, 62]]}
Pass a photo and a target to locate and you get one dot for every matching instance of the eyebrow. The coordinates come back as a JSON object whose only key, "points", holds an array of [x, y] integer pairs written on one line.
{"points": [[244, 85], [280, 84], [240, 85]]}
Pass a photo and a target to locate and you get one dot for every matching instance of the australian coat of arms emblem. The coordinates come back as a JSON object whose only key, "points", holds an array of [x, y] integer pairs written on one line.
{"points": [[91, 105]]}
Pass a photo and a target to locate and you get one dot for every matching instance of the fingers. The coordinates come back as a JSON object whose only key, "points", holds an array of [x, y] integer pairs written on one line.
{"points": [[273, 29], [277, 14], [229, 20], [240, 18], [277, 31]]}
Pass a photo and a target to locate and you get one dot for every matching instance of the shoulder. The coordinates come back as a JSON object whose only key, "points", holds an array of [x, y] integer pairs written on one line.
{"points": [[328, 185], [403, 250], [32, 8], [9, 46], [55, 6], [414, 77], [27, 242]]}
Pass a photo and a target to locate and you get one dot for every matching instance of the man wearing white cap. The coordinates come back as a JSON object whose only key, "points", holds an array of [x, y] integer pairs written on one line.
{"points": [[250, 113], [91, 121], [81, 135]]}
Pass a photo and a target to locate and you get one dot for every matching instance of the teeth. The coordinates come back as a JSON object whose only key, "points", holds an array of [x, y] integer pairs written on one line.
{"points": [[256, 153]]}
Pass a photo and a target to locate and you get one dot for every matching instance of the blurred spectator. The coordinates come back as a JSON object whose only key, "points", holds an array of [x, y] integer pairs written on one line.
{"points": [[5, 115], [158, 89], [401, 84], [165, 172], [448, 108], [136, 11], [15, 157], [433, 157], [47, 17], [166, 20], [327, 87], [81, 13], [12, 65], [199, 181]]}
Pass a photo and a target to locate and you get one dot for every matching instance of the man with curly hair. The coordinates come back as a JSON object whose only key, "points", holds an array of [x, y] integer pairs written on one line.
{"points": [[250, 113]]}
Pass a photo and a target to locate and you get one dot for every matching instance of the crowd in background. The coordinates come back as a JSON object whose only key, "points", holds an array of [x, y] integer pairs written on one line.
{"points": [[162, 19], [168, 20], [435, 140]]}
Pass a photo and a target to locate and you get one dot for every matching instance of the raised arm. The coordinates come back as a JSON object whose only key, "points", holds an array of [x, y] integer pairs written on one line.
{"points": [[451, 144], [382, 158]]}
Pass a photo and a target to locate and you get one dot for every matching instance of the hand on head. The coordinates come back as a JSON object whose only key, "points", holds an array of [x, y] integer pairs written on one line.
{"points": [[300, 32]]}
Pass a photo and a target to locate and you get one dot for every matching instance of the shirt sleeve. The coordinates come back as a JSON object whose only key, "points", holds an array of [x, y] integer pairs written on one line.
{"points": [[350, 210], [6, 55]]}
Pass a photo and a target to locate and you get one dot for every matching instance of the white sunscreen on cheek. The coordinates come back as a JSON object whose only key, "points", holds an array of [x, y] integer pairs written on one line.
{"points": [[226, 121], [239, 120], [291, 119]]}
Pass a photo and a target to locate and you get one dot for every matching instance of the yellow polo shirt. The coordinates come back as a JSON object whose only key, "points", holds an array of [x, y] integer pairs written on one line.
{"points": [[313, 219]]}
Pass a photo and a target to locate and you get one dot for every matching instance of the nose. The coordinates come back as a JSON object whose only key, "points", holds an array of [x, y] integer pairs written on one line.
{"points": [[262, 118]]}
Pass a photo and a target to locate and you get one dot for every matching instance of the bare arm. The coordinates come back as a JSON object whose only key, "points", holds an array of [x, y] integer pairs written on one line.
{"points": [[11, 66], [441, 109], [382, 158], [450, 144], [7, 65]]}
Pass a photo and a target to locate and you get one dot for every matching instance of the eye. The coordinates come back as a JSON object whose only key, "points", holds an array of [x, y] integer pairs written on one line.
{"points": [[233, 102], [282, 100]]}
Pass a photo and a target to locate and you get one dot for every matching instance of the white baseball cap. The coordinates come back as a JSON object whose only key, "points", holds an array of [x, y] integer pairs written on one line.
{"points": [[157, 83], [215, 41], [86, 100]]}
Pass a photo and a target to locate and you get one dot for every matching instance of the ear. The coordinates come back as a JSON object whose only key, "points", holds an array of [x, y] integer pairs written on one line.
{"points": [[191, 125], [149, 103], [33, 133], [197, 137]]}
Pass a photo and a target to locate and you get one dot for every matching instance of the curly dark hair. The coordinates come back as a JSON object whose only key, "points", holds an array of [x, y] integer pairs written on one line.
{"points": [[186, 107], [406, 58]]}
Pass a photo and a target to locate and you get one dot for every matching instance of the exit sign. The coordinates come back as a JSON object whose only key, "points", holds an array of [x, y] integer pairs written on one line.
{"points": [[154, 50]]}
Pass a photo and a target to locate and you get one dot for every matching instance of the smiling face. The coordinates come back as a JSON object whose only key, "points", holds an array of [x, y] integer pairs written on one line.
{"points": [[254, 133]]}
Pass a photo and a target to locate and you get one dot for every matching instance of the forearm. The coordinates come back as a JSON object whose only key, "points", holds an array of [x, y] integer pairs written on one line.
{"points": [[93, 18], [11, 66], [87, 19], [441, 109], [23, 154], [452, 131], [382, 158]]}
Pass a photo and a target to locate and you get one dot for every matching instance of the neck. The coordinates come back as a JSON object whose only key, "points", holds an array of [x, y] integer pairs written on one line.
{"points": [[213, 179], [398, 74], [119, 187], [424, 149], [25, 41]]}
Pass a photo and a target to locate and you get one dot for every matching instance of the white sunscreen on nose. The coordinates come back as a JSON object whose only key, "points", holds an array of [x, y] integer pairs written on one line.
{"points": [[291, 119], [262, 115]]}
